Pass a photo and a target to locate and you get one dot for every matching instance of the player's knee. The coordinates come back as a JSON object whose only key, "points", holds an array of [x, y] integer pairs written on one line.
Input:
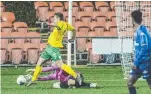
{"points": [[40, 61], [129, 84], [59, 63]]}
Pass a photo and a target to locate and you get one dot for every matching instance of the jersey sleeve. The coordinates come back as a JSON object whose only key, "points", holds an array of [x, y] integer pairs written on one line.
{"points": [[65, 26], [143, 41], [60, 25], [70, 27]]}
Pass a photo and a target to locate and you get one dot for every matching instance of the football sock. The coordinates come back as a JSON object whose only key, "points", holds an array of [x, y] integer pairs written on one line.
{"points": [[132, 90], [85, 84], [69, 70], [36, 73]]}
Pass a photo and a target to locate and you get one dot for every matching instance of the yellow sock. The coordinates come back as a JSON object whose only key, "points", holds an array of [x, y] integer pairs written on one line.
{"points": [[36, 73], [69, 70]]}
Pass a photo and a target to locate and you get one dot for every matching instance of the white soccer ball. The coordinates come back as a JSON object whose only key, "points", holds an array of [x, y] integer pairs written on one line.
{"points": [[21, 80]]}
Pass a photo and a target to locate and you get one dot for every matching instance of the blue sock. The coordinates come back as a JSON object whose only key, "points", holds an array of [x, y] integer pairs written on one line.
{"points": [[132, 90]]}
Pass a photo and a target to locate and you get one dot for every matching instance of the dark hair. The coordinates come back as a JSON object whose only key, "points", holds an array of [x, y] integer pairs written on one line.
{"points": [[137, 16], [60, 15]]}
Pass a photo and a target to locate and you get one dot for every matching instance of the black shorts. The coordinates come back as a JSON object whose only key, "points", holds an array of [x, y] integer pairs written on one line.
{"points": [[146, 73]]}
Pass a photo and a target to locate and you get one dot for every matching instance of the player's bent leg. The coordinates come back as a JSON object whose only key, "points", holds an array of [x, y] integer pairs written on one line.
{"points": [[130, 83], [38, 69], [66, 68], [69, 70], [56, 57]]}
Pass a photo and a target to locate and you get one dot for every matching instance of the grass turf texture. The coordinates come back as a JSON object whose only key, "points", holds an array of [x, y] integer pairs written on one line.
{"points": [[109, 79]]}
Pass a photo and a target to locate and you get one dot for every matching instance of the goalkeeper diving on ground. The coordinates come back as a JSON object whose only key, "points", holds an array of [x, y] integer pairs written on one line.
{"points": [[65, 80], [60, 28]]}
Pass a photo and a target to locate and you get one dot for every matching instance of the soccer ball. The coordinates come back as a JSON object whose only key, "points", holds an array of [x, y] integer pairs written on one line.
{"points": [[22, 79]]}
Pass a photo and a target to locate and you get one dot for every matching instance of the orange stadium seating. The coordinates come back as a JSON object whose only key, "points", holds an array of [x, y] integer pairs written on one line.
{"points": [[111, 26], [56, 6], [82, 27], [4, 44], [75, 7], [112, 5], [98, 27], [99, 16], [103, 7], [81, 42], [18, 40], [66, 17], [6, 27], [84, 17], [2, 7], [15, 53], [41, 10], [86, 6], [31, 53], [90, 19], [4, 55], [111, 16], [20, 27], [50, 16], [35, 40], [110, 34], [8, 17], [42, 46]]}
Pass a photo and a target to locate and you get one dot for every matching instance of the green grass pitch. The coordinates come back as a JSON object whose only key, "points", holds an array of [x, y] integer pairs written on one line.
{"points": [[109, 79]]}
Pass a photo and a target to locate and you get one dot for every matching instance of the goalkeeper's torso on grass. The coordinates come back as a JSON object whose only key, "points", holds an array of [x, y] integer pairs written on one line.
{"points": [[142, 44], [56, 37]]}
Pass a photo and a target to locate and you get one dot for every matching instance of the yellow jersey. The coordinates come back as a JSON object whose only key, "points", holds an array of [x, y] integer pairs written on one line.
{"points": [[56, 36]]}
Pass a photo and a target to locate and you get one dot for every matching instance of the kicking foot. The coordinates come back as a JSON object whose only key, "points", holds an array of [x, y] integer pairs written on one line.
{"points": [[30, 83]]}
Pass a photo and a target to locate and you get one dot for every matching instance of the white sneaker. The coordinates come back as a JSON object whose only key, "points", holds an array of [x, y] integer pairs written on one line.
{"points": [[93, 85]]}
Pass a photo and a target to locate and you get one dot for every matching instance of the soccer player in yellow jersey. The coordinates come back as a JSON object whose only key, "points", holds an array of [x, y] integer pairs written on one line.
{"points": [[54, 44]]}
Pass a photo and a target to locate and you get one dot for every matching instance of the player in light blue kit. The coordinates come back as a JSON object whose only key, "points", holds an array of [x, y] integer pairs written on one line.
{"points": [[142, 59]]}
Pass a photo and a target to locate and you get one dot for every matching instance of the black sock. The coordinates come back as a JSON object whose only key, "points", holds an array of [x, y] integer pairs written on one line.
{"points": [[85, 84], [132, 90]]}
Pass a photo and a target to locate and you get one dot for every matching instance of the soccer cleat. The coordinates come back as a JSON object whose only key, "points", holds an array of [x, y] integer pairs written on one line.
{"points": [[93, 85], [30, 83], [79, 79]]}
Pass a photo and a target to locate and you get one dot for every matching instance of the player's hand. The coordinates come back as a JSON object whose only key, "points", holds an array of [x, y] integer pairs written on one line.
{"points": [[70, 40]]}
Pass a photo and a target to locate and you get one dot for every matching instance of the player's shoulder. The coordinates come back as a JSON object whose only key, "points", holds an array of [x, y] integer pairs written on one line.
{"points": [[142, 30], [62, 23]]}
